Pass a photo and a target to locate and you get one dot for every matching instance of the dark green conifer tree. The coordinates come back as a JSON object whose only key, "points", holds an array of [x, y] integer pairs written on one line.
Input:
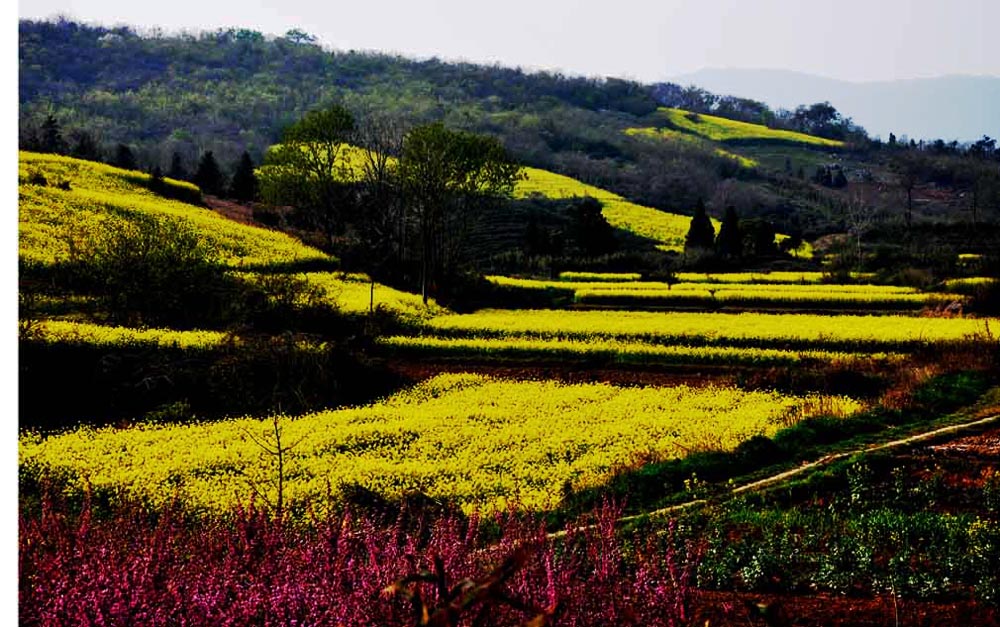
{"points": [[701, 234], [177, 170], [730, 240], [86, 147], [208, 176], [124, 158], [244, 184], [52, 139], [839, 178]]}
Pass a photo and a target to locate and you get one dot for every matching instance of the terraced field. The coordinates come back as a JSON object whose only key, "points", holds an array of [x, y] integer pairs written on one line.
{"points": [[703, 409], [752, 330], [728, 294]]}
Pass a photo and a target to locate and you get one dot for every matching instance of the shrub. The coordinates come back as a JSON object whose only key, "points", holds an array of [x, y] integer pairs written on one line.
{"points": [[154, 271]]}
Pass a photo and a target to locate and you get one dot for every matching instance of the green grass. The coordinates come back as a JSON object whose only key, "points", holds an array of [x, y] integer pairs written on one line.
{"points": [[772, 157]]}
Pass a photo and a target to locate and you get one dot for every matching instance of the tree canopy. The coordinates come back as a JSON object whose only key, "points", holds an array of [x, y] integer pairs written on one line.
{"points": [[308, 169], [445, 175]]}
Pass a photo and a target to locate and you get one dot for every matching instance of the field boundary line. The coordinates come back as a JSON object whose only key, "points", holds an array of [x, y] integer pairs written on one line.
{"points": [[787, 474]]}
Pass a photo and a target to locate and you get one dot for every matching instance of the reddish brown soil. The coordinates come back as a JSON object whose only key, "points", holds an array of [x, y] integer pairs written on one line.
{"points": [[232, 210], [727, 608], [243, 213], [984, 445]]}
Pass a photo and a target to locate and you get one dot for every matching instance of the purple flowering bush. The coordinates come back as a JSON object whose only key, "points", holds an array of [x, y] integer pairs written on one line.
{"points": [[127, 566]]}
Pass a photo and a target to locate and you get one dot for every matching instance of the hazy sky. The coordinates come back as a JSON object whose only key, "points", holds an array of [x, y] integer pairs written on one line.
{"points": [[846, 39]]}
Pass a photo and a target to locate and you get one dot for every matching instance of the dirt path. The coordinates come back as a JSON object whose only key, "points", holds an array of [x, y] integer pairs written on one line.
{"points": [[807, 467], [778, 478]]}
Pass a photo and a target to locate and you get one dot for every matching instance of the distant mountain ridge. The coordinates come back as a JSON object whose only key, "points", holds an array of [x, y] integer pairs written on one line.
{"points": [[962, 108]]}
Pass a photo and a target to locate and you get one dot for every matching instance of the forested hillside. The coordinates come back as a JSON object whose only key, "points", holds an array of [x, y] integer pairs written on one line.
{"points": [[171, 98], [231, 90]]}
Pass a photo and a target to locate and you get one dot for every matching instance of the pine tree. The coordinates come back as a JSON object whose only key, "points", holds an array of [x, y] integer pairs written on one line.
{"points": [[86, 147], [177, 170], [28, 139], [244, 184], [208, 176], [124, 158], [52, 140], [730, 240], [701, 234], [156, 179]]}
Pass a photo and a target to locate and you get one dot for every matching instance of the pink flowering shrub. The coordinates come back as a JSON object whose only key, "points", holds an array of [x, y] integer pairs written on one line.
{"points": [[131, 567]]}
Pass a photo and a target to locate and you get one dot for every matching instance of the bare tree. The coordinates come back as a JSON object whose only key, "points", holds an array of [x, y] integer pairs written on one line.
{"points": [[860, 214], [909, 166]]}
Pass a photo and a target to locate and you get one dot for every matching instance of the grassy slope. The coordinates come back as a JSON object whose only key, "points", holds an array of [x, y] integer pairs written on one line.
{"points": [[53, 222], [758, 146], [668, 230]]}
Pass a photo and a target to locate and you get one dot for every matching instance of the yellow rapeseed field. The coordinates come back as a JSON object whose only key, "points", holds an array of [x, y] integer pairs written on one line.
{"points": [[54, 222], [723, 129], [481, 442], [765, 330], [612, 351], [668, 229], [104, 335], [762, 277], [773, 295]]}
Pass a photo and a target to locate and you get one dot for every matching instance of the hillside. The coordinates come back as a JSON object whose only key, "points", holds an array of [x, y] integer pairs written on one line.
{"points": [[606, 406], [227, 91], [660, 146], [66, 206]]}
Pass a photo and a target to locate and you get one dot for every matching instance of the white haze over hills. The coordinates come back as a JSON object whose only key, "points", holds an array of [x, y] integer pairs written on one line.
{"points": [[962, 108]]}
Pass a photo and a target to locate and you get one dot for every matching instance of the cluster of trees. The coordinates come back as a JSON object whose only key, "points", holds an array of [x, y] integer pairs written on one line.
{"points": [[403, 201], [47, 136], [830, 176], [974, 170], [737, 240]]}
